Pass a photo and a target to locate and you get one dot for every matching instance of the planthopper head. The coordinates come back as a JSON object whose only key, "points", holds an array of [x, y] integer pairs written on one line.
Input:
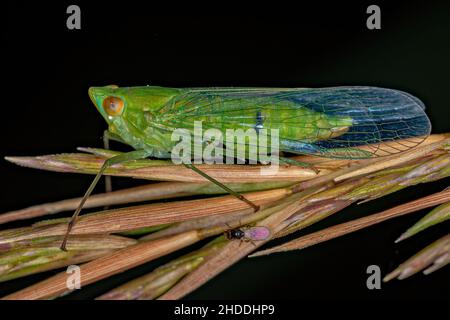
{"points": [[130, 110], [112, 101]]}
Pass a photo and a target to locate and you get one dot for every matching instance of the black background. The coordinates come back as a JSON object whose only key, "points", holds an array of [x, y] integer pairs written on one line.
{"points": [[46, 109]]}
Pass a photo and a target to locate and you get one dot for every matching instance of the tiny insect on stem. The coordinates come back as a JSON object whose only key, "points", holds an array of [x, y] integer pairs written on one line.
{"points": [[248, 234]]}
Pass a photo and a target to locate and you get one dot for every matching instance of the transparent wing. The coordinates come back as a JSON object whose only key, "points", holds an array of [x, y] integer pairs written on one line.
{"points": [[388, 121], [257, 233]]}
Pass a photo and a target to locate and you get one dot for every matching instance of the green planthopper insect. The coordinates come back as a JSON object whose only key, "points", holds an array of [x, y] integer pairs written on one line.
{"points": [[327, 122]]}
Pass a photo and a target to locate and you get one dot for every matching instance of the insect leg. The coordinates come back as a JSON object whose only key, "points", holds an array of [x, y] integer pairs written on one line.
{"points": [[108, 182], [107, 137], [113, 137], [224, 187], [133, 155]]}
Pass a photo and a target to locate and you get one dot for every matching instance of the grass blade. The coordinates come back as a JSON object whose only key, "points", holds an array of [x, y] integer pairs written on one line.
{"points": [[156, 191], [437, 215], [23, 258], [437, 255], [137, 217], [163, 170], [358, 224], [106, 266], [154, 284]]}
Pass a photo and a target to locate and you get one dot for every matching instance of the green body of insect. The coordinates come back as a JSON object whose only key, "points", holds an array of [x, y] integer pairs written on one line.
{"points": [[328, 122]]}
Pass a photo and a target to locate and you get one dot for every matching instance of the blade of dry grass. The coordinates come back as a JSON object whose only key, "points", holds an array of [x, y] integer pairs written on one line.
{"points": [[437, 255], [23, 258], [361, 167], [310, 215], [392, 161], [106, 266], [164, 170], [156, 191], [437, 215], [137, 217], [152, 285], [136, 194], [358, 224]]}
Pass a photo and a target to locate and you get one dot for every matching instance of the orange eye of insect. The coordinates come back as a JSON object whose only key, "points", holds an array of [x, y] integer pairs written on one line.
{"points": [[113, 106]]}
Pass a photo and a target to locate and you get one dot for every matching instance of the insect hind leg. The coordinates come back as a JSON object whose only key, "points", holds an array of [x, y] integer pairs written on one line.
{"points": [[107, 137], [133, 155], [224, 187]]}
